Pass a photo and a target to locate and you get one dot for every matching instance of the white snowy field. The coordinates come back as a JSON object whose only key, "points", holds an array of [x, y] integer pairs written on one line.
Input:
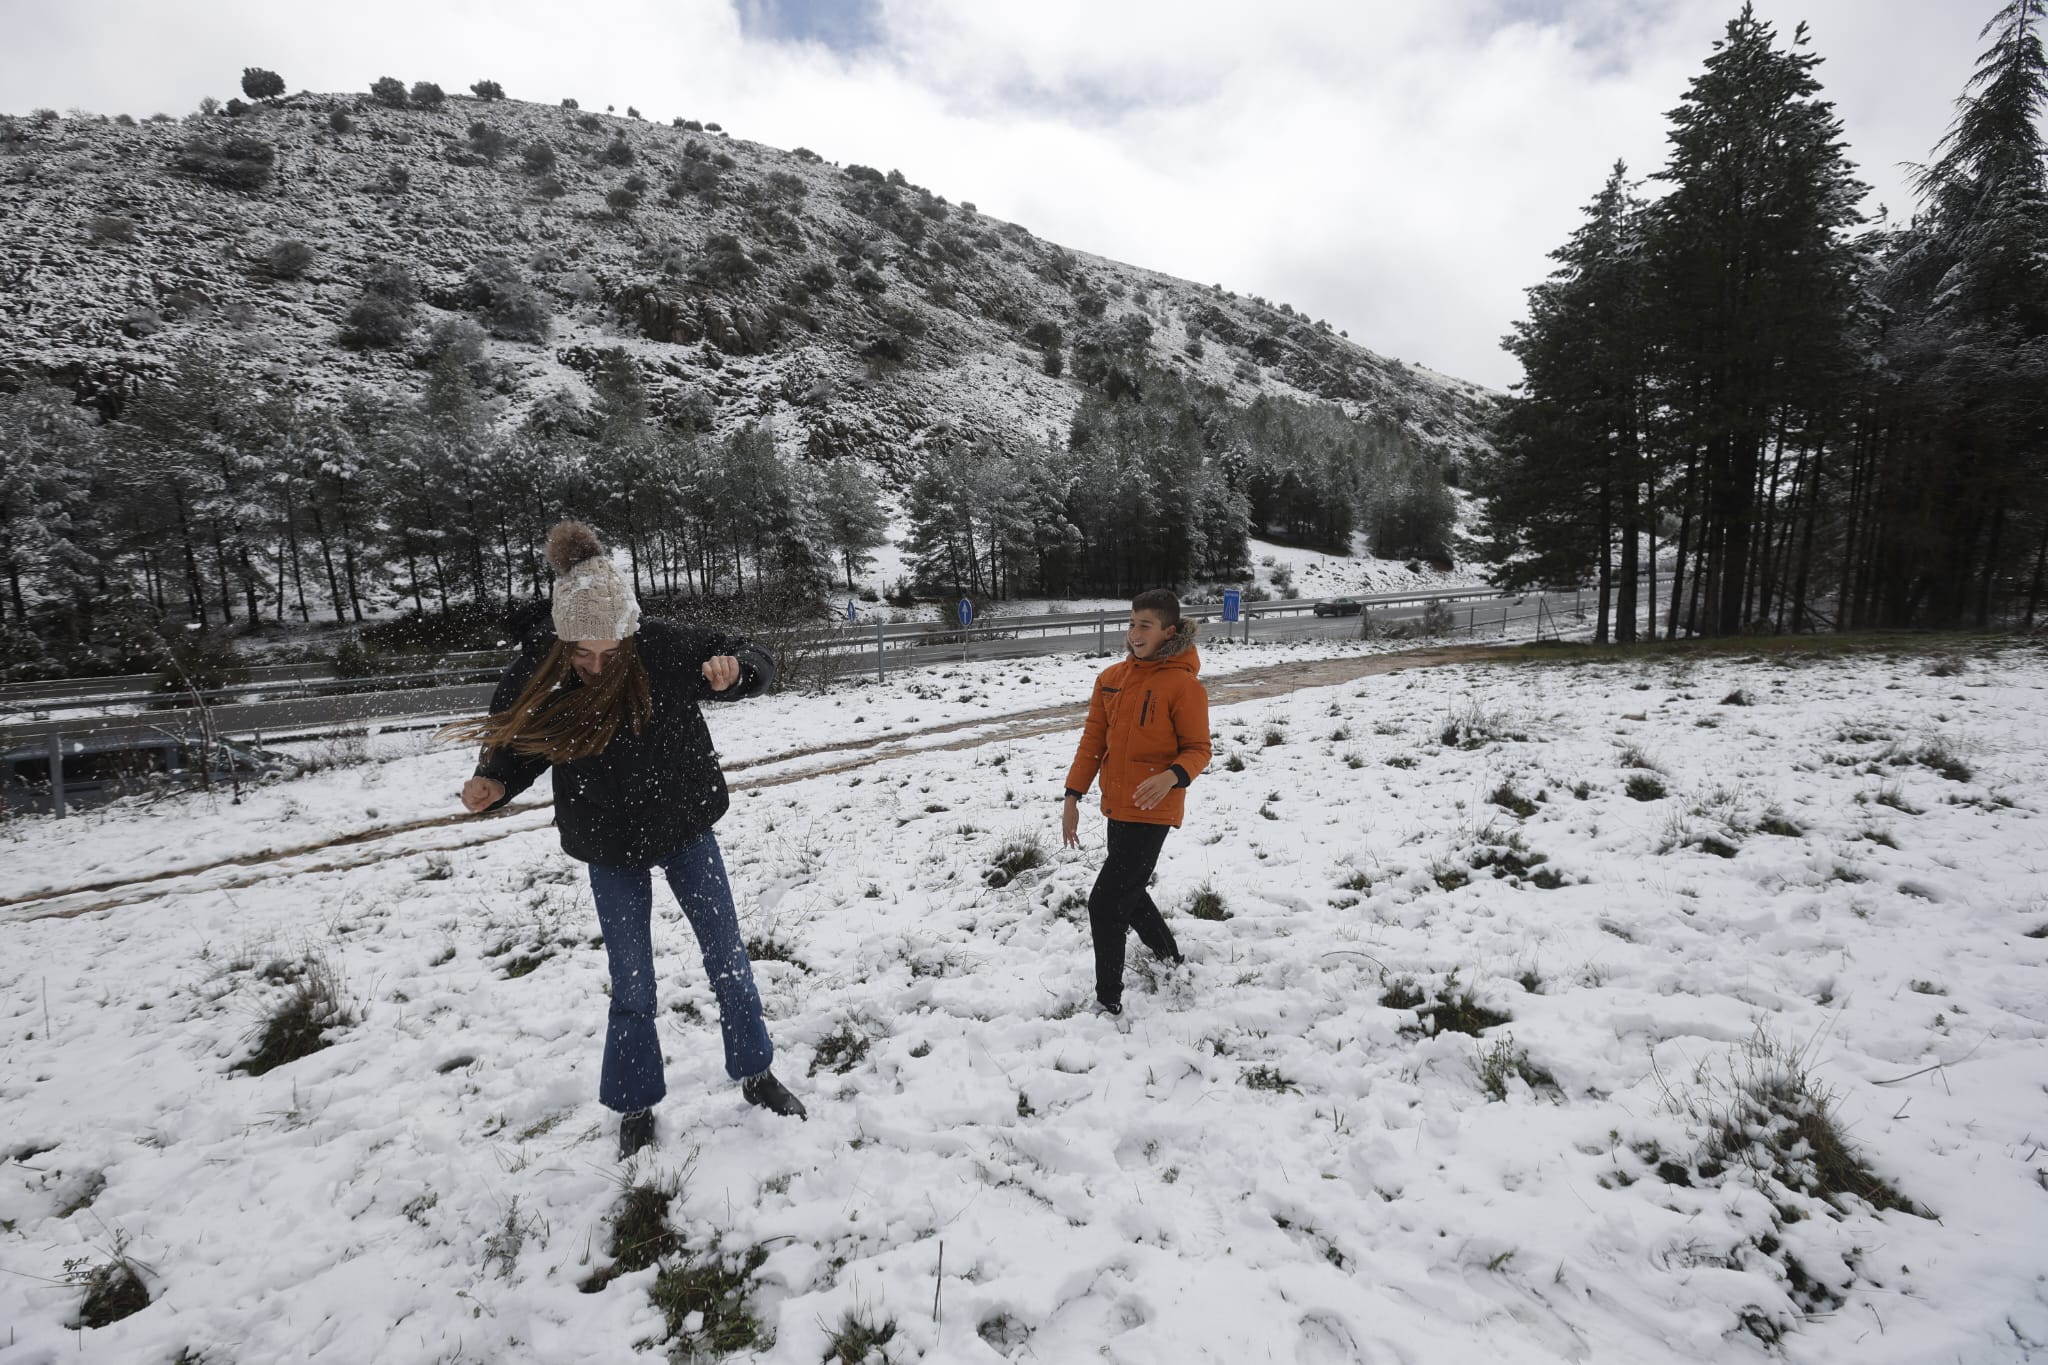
{"points": [[1840, 890]]}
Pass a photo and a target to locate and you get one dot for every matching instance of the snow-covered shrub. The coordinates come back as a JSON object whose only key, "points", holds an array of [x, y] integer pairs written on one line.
{"points": [[725, 262], [509, 306], [1504, 1061], [382, 316], [489, 143], [700, 178], [288, 259], [259, 84], [237, 161], [113, 1290], [1016, 857], [298, 1024]]}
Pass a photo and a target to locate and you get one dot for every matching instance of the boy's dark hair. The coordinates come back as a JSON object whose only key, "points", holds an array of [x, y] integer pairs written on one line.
{"points": [[1161, 603]]}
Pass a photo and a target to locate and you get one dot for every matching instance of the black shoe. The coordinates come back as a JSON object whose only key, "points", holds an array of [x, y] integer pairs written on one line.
{"points": [[770, 1094], [636, 1130]]}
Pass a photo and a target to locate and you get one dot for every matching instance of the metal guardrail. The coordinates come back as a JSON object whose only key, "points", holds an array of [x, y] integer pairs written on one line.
{"points": [[78, 693], [317, 704], [307, 717]]}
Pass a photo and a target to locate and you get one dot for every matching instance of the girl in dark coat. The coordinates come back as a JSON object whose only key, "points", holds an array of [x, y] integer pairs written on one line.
{"points": [[609, 703]]}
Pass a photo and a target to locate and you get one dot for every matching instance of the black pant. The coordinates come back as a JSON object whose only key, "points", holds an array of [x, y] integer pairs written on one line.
{"points": [[1120, 903]]}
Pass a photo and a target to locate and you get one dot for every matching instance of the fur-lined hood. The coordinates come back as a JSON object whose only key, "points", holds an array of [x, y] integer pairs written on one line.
{"points": [[1181, 646]]}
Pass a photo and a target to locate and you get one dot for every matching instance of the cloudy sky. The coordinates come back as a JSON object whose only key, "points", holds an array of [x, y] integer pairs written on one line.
{"points": [[1399, 167]]}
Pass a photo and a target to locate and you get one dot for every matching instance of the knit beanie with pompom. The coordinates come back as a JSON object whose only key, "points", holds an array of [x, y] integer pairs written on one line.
{"points": [[593, 601]]}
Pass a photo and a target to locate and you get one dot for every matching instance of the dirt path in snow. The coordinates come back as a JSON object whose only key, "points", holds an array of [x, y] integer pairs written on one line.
{"points": [[460, 830]]}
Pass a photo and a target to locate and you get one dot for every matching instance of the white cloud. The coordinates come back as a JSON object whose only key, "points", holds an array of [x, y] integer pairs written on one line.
{"points": [[1400, 169]]}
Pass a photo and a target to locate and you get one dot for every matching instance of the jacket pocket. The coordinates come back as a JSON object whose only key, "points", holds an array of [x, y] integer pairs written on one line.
{"points": [[1145, 711]]}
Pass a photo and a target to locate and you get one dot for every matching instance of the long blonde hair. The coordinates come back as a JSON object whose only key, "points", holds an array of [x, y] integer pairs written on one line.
{"points": [[561, 723]]}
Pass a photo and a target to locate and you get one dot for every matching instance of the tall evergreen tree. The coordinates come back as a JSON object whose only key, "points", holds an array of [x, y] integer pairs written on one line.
{"points": [[1754, 275], [49, 458], [1569, 479], [850, 508], [1956, 497]]}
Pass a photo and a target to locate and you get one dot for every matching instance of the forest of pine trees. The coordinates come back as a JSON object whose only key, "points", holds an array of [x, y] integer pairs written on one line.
{"points": [[211, 502], [1808, 421]]}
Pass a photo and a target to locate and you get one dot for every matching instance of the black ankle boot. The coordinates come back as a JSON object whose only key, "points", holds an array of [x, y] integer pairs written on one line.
{"points": [[636, 1130], [770, 1094]]}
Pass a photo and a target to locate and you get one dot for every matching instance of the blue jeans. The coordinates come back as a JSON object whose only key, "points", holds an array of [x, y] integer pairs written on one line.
{"points": [[632, 1078]]}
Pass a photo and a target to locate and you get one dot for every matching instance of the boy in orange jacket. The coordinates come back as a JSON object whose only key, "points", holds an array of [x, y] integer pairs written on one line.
{"points": [[1147, 737]]}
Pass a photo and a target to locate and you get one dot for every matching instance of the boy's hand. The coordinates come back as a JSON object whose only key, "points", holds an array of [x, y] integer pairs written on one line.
{"points": [[721, 671], [1153, 790], [481, 792], [1070, 824]]}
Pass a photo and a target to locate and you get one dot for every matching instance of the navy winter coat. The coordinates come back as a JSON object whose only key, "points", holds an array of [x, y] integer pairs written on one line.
{"points": [[646, 796]]}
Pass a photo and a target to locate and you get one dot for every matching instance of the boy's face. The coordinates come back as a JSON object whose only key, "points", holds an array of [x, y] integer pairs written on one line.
{"points": [[1148, 632]]}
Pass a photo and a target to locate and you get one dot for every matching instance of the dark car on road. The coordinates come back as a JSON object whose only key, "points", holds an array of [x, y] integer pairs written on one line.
{"points": [[1339, 606]]}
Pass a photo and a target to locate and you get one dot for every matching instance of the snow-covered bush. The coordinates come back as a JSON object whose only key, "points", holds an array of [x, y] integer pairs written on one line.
{"points": [[259, 84], [237, 161], [382, 317], [288, 259]]}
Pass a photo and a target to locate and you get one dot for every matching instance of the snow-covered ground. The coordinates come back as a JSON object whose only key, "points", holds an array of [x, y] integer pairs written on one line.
{"points": [[1841, 880]]}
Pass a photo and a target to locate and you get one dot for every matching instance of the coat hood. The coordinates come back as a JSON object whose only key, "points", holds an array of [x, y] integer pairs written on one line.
{"points": [[1179, 651]]}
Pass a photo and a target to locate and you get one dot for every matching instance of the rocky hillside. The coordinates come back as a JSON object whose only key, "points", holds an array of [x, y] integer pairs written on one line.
{"points": [[851, 310]]}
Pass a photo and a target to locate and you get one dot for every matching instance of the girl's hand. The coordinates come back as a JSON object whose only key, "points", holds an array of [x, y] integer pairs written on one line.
{"points": [[1070, 824], [1153, 790], [721, 671], [481, 793]]}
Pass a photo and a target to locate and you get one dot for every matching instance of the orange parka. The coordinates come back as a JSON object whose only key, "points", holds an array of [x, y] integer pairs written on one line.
{"points": [[1147, 716]]}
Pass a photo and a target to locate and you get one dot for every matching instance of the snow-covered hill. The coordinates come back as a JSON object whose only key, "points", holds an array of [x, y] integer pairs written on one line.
{"points": [[1688, 903], [852, 310]]}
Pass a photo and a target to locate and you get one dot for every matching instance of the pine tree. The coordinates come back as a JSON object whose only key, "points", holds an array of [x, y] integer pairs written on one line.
{"points": [[1957, 488], [49, 456], [1569, 477], [854, 522], [1754, 277]]}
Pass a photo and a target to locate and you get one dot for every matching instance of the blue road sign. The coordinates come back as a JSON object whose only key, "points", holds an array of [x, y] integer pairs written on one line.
{"points": [[1233, 602], [966, 612]]}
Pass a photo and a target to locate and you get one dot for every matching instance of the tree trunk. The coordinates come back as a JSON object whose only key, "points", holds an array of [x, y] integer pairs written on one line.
{"points": [[1991, 565], [327, 557], [220, 572], [2040, 575], [1604, 535], [195, 591]]}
